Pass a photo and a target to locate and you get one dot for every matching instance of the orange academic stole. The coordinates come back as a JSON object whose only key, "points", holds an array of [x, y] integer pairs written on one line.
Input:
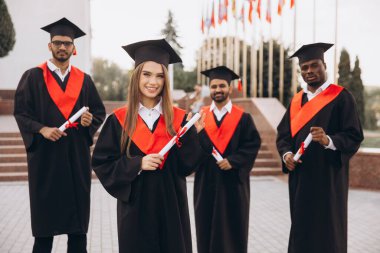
{"points": [[64, 100], [145, 140], [301, 115], [221, 136]]}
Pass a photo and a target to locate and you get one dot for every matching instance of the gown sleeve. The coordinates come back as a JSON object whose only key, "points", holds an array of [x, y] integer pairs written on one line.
{"points": [[348, 139], [189, 154], [96, 109], [249, 145], [284, 140], [24, 110], [115, 170]]}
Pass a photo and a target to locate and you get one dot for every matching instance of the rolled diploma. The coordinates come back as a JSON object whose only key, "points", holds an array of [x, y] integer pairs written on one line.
{"points": [[171, 143], [73, 118], [306, 143], [218, 157]]}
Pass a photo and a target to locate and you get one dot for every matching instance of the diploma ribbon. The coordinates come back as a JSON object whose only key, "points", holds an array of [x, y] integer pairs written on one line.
{"points": [[71, 125], [179, 134], [302, 148]]}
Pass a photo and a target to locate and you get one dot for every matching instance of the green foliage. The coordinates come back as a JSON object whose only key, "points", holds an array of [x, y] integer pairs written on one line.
{"points": [[357, 90], [110, 80], [7, 32], [184, 80], [372, 106], [170, 33], [344, 69]]}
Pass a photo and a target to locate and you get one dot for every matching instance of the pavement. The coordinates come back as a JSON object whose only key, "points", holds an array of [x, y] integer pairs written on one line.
{"points": [[269, 223]]}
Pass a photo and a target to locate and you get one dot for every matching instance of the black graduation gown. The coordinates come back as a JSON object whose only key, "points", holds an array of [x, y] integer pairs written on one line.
{"points": [[59, 172], [222, 197], [152, 208], [318, 187]]}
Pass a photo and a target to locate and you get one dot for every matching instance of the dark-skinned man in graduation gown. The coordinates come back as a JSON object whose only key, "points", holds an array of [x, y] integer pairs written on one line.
{"points": [[58, 162], [222, 189], [318, 182]]}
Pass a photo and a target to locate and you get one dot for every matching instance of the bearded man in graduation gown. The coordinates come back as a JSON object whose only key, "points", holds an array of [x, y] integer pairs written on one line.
{"points": [[222, 189], [58, 162], [318, 183]]}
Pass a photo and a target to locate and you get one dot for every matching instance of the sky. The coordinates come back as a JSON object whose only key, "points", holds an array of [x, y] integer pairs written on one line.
{"points": [[120, 22]]}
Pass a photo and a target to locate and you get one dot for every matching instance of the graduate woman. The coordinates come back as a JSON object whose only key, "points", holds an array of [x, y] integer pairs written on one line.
{"points": [[152, 207]]}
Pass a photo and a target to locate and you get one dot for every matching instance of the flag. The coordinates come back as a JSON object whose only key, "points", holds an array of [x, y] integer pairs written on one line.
{"points": [[250, 11], [225, 17], [269, 13], [281, 4], [203, 25], [233, 8], [242, 17], [292, 3], [258, 9], [220, 12], [240, 86], [213, 15]]}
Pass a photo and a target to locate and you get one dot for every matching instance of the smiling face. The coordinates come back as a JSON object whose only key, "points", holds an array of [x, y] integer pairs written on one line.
{"points": [[151, 83], [62, 47], [314, 72], [220, 91]]}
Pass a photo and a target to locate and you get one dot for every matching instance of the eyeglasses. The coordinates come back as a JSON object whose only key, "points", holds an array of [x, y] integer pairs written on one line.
{"points": [[59, 43]]}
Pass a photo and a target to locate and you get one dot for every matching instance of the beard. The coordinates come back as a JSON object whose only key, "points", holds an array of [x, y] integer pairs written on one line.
{"points": [[315, 84], [220, 98], [61, 57]]}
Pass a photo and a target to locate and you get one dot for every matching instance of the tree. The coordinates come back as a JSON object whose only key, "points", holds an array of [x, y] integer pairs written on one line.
{"points": [[185, 80], [110, 80], [7, 32], [344, 69], [170, 33], [357, 89]]}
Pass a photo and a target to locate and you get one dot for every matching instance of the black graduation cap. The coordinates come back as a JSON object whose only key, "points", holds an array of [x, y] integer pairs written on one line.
{"points": [[64, 27], [220, 72], [311, 52], [152, 50]]}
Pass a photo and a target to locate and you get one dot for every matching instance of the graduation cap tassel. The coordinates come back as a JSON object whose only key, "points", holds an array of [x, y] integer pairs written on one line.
{"points": [[240, 86], [75, 51]]}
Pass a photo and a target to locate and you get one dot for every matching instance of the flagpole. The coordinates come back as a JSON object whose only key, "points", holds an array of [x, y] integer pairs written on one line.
{"points": [[281, 76], [253, 63], [294, 63], [336, 44], [270, 54], [314, 21]]}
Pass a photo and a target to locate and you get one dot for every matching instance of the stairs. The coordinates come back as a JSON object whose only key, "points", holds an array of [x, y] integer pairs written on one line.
{"points": [[13, 165]]}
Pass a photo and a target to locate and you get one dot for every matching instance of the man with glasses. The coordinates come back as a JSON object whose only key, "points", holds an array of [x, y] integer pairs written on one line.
{"points": [[58, 161]]}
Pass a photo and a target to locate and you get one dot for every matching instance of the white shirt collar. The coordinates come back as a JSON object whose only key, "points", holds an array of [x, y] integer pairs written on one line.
{"points": [[319, 90], [227, 106], [57, 70], [157, 107]]}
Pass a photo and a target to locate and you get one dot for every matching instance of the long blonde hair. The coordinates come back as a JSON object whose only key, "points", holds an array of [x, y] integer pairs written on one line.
{"points": [[133, 100]]}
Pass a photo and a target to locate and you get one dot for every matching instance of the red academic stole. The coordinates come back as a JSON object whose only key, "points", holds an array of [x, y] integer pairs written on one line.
{"points": [[64, 100], [221, 136], [145, 140], [301, 115]]}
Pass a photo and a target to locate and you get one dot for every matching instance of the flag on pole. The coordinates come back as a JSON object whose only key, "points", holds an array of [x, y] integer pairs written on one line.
{"points": [[225, 17], [250, 10], [220, 12], [203, 25], [213, 15], [242, 17], [280, 6], [269, 13], [292, 3], [233, 8], [258, 9]]}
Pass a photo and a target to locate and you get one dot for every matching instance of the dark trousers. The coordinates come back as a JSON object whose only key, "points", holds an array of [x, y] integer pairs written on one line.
{"points": [[75, 244]]}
